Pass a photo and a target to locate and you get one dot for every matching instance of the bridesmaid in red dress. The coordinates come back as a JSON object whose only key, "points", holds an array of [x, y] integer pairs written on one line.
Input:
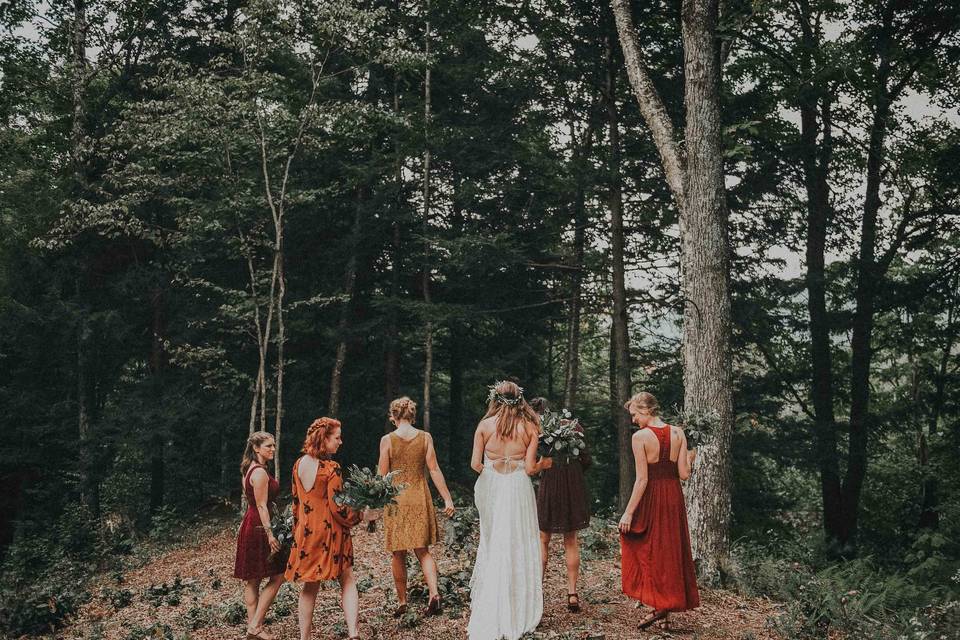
{"points": [[657, 564], [257, 556]]}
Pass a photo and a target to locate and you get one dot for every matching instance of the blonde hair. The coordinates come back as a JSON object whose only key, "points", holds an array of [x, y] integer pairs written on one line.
{"points": [[256, 439], [318, 431], [403, 408], [510, 416], [645, 400]]}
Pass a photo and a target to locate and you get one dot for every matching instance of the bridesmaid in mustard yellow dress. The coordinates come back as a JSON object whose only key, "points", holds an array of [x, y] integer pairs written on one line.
{"points": [[411, 524]]}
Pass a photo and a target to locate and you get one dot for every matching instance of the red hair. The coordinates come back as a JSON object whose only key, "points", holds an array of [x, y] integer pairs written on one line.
{"points": [[319, 430]]}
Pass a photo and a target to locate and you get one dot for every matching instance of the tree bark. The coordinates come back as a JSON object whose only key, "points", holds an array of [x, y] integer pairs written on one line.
{"points": [[929, 499], [346, 311], [572, 368], [651, 106], [862, 329], [705, 249], [620, 325], [816, 118], [281, 341], [157, 366], [428, 329]]}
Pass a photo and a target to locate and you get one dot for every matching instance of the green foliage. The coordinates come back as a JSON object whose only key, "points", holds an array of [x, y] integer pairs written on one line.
{"points": [[855, 599], [156, 631]]}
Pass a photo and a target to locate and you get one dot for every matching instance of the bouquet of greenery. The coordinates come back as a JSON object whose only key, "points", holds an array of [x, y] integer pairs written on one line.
{"points": [[364, 489], [281, 525], [699, 425], [561, 439]]}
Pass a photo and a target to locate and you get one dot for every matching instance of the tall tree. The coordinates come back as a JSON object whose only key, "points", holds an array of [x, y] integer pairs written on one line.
{"points": [[695, 176]]}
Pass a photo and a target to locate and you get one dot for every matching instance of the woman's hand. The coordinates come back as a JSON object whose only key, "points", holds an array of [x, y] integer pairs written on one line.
{"points": [[369, 515], [448, 508], [272, 541], [546, 463], [625, 520]]}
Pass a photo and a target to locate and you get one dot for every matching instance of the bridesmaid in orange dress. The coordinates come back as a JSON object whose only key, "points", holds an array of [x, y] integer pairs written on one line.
{"points": [[656, 561], [322, 547]]}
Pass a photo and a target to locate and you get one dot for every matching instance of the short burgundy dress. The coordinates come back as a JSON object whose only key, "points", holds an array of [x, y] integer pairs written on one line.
{"points": [[562, 503], [253, 551]]}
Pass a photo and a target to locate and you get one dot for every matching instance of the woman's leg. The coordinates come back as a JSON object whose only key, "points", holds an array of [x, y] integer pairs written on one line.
{"points": [[267, 596], [571, 552], [305, 607], [399, 566], [544, 552], [349, 600], [429, 567], [251, 594]]}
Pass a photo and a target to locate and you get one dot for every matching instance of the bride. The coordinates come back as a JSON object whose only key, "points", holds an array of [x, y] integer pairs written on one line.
{"points": [[506, 594]]}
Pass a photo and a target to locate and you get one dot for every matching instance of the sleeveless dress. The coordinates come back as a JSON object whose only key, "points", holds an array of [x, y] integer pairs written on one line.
{"points": [[657, 563], [412, 522], [506, 591], [322, 545], [562, 503], [253, 560]]}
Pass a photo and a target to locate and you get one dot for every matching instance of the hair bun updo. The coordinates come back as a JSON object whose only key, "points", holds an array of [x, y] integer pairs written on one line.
{"points": [[403, 408]]}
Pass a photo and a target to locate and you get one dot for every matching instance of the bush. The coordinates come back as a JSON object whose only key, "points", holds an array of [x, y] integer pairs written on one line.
{"points": [[32, 603]]}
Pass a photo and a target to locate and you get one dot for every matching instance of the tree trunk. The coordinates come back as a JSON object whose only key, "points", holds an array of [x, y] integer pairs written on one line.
{"points": [[620, 326], [929, 499], [346, 311], [392, 356], [572, 368], [697, 185], [428, 329], [392, 350], [281, 340], [815, 104], [458, 441], [705, 262], [157, 366], [862, 329]]}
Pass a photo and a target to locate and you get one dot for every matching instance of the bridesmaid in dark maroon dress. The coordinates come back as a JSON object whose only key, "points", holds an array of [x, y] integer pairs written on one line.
{"points": [[257, 556], [563, 507], [656, 561]]}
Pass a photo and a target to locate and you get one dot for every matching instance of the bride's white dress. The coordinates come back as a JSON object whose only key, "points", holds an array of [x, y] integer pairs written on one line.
{"points": [[506, 593]]}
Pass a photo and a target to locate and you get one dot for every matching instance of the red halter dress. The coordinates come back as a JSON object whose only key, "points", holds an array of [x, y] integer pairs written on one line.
{"points": [[656, 559]]}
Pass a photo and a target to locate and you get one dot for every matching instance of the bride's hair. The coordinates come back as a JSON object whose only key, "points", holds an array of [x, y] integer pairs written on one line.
{"points": [[511, 410]]}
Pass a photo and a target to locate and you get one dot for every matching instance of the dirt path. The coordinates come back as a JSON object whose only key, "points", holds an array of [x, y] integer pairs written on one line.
{"points": [[189, 594]]}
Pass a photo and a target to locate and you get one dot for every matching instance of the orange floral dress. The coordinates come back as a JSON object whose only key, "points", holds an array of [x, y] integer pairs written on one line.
{"points": [[322, 546]]}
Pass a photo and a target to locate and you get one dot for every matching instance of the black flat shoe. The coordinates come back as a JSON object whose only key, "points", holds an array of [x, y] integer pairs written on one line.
{"points": [[573, 602], [400, 610]]}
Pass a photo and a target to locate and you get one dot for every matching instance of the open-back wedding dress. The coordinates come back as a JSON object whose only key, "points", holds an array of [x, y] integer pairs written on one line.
{"points": [[506, 591]]}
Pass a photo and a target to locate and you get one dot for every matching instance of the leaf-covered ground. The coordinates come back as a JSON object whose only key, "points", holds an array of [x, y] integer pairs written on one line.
{"points": [[189, 593]]}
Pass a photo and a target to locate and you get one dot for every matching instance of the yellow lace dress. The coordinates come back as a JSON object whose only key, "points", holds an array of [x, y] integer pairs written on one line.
{"points": [[412, 522]]}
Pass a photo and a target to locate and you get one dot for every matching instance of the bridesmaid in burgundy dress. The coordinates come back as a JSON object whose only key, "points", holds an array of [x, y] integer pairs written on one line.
{"points": [[656, 560], [257, 556], [563, 507]]}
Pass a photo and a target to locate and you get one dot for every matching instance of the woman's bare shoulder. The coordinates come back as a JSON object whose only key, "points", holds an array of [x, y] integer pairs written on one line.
{"points": [[487, 425]]}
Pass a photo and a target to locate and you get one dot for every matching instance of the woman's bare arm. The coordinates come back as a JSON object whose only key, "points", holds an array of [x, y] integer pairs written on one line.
{"points": [[261, 492], [437, 476], [639, 484], [383, 464], [476, 458], [684, 460]]}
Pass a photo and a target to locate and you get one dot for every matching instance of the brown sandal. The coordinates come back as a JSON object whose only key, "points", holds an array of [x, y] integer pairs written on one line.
{"points": [[400, 610], [652, 617], [434, 606], [573, 602]]}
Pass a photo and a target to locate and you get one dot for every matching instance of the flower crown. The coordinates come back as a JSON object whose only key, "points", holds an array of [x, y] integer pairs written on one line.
{"points": [[498, 397]]}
